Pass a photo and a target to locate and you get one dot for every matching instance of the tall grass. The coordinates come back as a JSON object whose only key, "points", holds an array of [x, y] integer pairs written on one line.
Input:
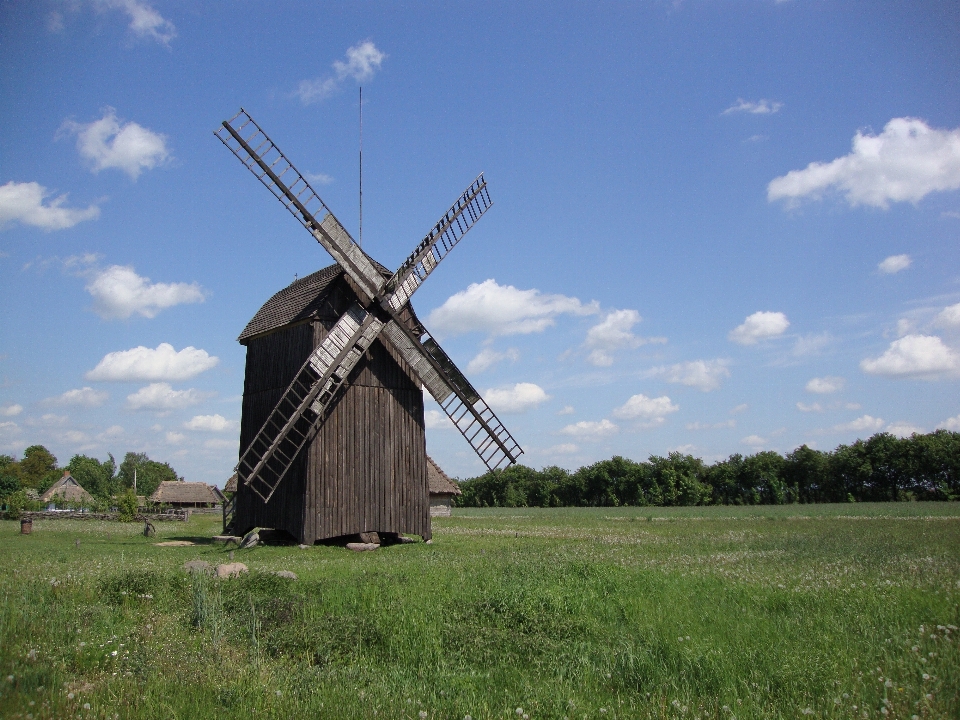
{"points": [[599, 613]]}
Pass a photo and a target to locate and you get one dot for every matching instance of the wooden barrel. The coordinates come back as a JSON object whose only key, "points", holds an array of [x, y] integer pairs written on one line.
{"points": [[26, 526]]}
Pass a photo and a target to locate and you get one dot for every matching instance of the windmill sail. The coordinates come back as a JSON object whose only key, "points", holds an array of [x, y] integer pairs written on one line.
{"points": [[292, 422], [441, 239], [257, 152], [478, 424]]}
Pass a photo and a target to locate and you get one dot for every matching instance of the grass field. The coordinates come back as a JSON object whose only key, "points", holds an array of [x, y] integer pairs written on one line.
{"points": [[840, 611]]}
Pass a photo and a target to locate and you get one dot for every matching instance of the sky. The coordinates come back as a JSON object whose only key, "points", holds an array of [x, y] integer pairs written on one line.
{"points": [[718, 227]]}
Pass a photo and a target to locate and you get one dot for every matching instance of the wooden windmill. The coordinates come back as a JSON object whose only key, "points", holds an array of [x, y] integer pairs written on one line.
{"points": [[332, 431]]}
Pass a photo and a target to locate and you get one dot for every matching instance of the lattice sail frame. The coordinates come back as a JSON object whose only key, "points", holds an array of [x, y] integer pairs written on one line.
{"points": [[302, 408]]}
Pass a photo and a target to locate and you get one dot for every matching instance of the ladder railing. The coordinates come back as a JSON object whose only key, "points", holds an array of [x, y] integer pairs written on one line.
{"points": [[441, 239], [292, 422], [253, 147]]}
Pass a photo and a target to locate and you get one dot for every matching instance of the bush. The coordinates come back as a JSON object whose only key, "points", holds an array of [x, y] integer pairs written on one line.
{"points": [[127, 505]]}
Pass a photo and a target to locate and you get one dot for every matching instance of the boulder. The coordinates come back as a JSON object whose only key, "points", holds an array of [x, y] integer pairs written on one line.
{"points": [[362, 547], [230, 570], [251, 539], [198, 566], [371, 538]]}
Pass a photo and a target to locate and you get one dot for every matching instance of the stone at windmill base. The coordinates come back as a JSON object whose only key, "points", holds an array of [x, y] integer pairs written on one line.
{"points": [[251, 539], [362, 547]]}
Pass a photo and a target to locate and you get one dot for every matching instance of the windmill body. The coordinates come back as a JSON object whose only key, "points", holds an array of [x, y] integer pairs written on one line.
{"points": [[332, 431]]}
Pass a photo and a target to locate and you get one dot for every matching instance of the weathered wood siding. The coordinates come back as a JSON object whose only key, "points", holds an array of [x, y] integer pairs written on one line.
{"points": [[366, 468]]}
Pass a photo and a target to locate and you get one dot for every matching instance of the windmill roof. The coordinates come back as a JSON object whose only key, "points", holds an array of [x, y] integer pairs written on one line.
{"points": [[297, 301], [440, 482], [177, 491], [66, 489]]}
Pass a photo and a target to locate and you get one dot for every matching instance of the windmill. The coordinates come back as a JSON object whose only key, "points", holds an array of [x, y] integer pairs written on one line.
{"points": [[338, 467]]}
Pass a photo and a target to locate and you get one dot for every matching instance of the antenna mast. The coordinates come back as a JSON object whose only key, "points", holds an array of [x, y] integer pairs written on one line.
{"points": [[360, 242]]}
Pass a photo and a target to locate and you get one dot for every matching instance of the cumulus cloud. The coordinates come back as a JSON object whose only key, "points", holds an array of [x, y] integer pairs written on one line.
{"points": [[894, 264], [923, 356], [23, 203], [488, 357], [759, 107], [84, 397], [825, 385], [143, 363], [952, 424], [754, 441], [561, 449], [210, 423], [175, 438], [517, 399], [759, 326], [363, 60], [811, 344], [161, 397], [144, 20], [864, 423], [589, 429], [815, 407], [436, 420], [705, 375], [111, 433], [949, 317], [904, 429], [118, 292], [566, 410], [613, 333], [11, 410], [731, 423], [503, 310], [905, 162], [106, 143], [742, 407], [641, 407]]}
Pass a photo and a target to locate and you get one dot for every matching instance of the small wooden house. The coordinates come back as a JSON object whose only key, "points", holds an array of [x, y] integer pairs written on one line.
{"points": [[366, 468], [442, 490], [66, 494], [179, 494]]}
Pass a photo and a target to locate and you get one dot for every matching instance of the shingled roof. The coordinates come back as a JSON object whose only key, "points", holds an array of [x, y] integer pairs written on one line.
{"points": [[66, 489], [440, 483], [176, 491], [298, 301]]}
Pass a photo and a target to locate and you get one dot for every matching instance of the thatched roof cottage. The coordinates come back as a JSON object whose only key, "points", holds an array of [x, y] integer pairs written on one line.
{"points": [[179, 494], [66, 491], [442, 490]]}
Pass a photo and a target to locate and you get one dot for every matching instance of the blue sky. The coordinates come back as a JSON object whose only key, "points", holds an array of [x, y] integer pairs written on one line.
{"points": [[718, 227]]}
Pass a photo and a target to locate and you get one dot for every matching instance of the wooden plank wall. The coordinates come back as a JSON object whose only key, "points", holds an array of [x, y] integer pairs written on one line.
{"points": [[366, 469]]}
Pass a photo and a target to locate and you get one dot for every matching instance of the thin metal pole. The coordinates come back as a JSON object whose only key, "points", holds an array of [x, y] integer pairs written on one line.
{"points": [[360, 241]]}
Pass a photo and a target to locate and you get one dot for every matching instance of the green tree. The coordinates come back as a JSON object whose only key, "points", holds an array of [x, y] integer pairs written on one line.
{"points": [[149, 473], [97, 478], [38, 469], [9, 480]]}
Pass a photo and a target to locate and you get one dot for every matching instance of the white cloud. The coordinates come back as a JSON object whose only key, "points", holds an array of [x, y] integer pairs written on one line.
{"points": [[731, 423], [221, 444], [905, 162], [436, 420], [488, 357], [210, 423], [144, 20], [517, 399], [111, 433], [11, 410], [742, 407], [587, 429], [142, 363], [84, 397], [23, 202], [50, 420], [903, 429], [161, 397], [129, 147], [825, 385], [952, 424], [894, 264], [760, 107], [641, 406], [923, 356], [566, 410], [815, 407], [319, 178], [118, 293], [754, 441], [503, 310], [949, 317], [705, 375], [758, 326], [864, 423], [362, 62], [614, 333], [811, 344], [175, 438], [561, 449]]}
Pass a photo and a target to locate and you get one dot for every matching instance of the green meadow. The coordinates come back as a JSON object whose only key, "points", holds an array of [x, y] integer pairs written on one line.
{"points": [[839, 611]]}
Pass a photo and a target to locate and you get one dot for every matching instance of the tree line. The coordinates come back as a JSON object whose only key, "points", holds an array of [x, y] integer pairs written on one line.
{"points": [[882, 468], [38, 469]]}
